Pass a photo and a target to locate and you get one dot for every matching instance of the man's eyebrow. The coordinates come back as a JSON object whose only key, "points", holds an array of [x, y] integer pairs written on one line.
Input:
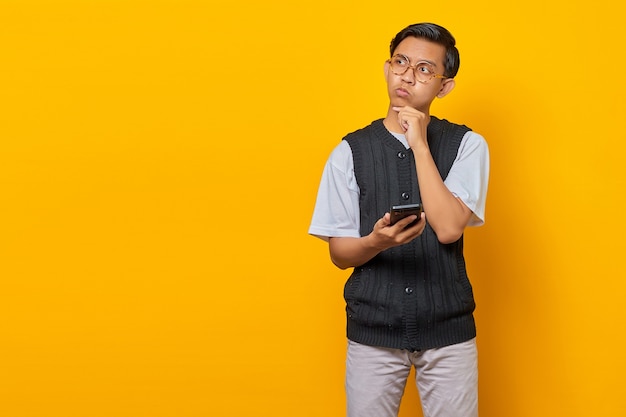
{"points": [[434, 64], [419, 60]]}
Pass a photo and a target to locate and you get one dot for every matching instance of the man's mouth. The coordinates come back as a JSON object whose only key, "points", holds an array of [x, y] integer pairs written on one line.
{"points": [[401, 92]]}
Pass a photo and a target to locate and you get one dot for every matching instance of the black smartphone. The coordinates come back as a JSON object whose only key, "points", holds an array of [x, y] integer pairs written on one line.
{"points": [[400, 212]]}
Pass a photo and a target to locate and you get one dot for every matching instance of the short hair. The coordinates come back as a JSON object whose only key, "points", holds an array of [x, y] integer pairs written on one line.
{"points": [[436, 34]]}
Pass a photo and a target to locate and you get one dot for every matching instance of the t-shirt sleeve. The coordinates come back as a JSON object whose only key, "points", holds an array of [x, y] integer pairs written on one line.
{"points": [[469, 176], [336, 212]]}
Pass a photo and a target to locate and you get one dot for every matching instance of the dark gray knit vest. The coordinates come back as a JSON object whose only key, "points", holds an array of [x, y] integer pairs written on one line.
{"points": [[415, 296]]}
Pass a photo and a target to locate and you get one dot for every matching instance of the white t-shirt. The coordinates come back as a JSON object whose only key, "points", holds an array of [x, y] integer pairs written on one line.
{"points": [[336, 212]]}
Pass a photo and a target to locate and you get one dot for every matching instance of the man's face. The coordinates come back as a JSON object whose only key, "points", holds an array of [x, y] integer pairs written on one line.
{"points": [[405, 89]]}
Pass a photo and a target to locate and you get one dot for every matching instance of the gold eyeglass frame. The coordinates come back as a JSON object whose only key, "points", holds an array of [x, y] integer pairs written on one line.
{"points": [[414, 68]]}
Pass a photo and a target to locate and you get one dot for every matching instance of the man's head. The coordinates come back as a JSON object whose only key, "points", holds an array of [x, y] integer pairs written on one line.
{"points": [[433, 33], [422, 67]]}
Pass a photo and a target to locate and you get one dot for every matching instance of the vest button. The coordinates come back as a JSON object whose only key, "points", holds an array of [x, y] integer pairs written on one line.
{"points": [[408, 290], [401, 155], [405, 196]]}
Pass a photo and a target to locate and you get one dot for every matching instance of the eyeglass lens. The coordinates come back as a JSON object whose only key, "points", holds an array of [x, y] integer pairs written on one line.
{"points": [[423, 70]]}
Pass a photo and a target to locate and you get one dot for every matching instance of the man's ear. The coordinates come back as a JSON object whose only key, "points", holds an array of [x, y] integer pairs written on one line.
{"points": [[386, 69], [446, 86]]}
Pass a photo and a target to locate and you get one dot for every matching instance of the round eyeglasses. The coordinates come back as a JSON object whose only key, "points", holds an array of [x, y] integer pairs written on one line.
{"points": [[423, 71]]}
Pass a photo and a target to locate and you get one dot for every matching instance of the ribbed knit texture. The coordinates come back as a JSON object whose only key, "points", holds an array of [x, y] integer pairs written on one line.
{"points": [[416, 296]]}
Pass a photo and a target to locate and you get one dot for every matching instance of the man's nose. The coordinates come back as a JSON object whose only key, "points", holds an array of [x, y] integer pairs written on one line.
{"points": [[409, 75]]}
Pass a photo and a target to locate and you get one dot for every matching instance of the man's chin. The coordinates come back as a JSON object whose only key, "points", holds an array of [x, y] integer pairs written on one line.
{"points": [[396, 101]]}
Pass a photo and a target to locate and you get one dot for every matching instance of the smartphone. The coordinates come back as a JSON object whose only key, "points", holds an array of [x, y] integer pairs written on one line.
{"points": [[400, 212]]}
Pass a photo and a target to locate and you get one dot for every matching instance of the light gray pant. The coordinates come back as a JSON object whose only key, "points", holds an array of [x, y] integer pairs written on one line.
{"points": [[447, 380]]}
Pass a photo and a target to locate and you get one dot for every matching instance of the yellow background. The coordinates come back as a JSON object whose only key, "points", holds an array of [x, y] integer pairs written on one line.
{"points": [[159, 165]]}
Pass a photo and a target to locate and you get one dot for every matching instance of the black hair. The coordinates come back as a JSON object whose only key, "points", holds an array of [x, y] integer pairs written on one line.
{"points": [[436, 34]]}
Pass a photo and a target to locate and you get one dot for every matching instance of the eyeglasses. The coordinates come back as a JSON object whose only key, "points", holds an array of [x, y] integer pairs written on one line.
{"points": [[423, 71]]}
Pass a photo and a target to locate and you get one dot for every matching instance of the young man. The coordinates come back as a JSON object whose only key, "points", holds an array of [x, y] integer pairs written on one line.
{"points": [[409, 300]]}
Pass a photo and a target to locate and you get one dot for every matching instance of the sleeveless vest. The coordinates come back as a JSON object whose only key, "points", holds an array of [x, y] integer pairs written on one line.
{"points": [[416, 296]]}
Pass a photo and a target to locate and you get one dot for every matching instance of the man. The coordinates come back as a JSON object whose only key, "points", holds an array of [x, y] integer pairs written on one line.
{"points": [[409, 300]]}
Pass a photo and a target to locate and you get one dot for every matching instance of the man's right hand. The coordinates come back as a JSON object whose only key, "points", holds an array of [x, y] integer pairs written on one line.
{"points": [[385, 235], [346, 252]]}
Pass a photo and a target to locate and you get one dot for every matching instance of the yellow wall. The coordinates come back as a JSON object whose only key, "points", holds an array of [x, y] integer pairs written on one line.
{"points": [[158, 167]]}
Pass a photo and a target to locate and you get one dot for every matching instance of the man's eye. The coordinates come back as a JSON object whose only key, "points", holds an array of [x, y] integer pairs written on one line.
{"points": [[424, 68], [400, 60]]}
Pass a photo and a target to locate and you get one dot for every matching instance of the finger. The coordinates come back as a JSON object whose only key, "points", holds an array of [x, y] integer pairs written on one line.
{"points": [[415, 230], [405, 222], [404, 123]]}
